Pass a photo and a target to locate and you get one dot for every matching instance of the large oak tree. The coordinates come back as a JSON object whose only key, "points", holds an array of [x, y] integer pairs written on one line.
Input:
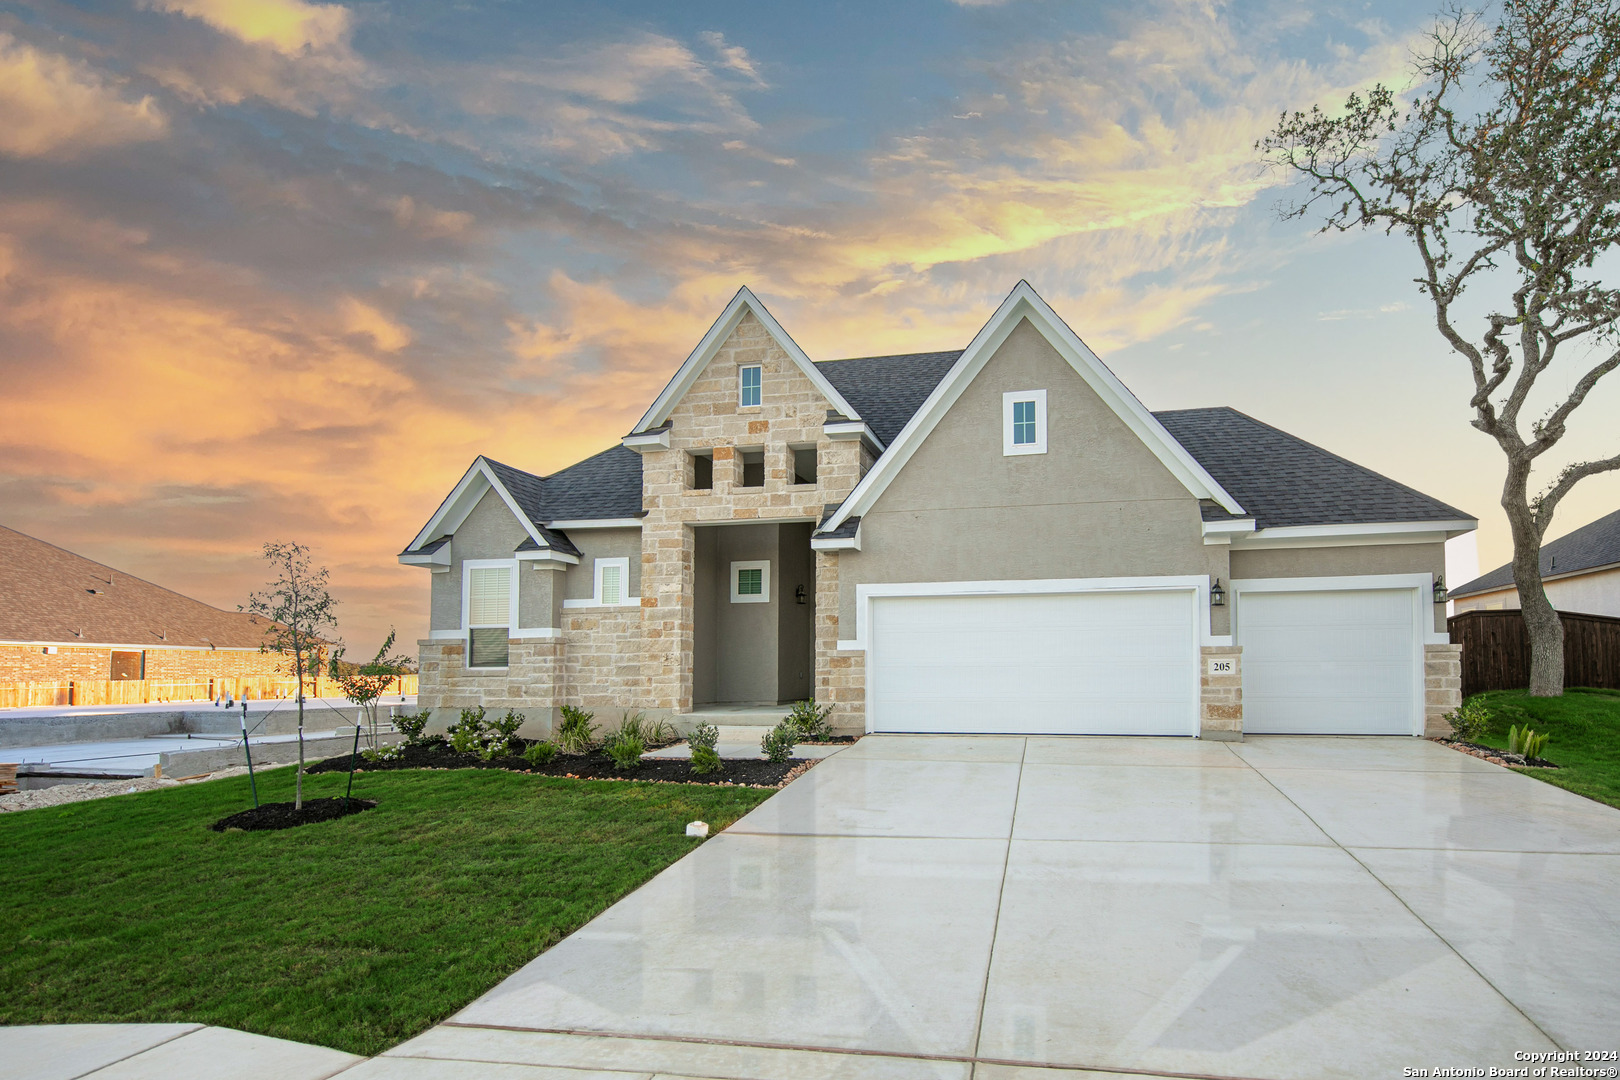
{"points": [[1501, 165]]}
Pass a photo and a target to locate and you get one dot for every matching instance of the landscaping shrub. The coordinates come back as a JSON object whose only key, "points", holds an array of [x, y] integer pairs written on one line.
{"points": [[540, 753], [576, 733], [777, 745], [625, 749], [383, 753], [636, 725], [705, 760], [500, 736], [466, 736], [704, 736], [811, 721], [1469, 720], [1526, 742], [411, 725]]}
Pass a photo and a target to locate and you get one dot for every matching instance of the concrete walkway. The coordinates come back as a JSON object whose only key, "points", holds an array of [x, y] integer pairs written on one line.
{"points": [[1014, 909], [159, 1052]]}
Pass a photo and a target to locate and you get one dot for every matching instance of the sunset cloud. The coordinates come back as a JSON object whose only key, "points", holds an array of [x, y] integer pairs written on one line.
{"points": [[54, 106], [265, 275]]}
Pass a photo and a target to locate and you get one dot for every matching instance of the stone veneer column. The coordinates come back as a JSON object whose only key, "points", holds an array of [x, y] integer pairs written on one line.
{"points": [[840, 676], [1442, 686], [667, 603], [1220, 696]]}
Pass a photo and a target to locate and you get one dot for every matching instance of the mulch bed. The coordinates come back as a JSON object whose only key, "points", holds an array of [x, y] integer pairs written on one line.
{"points": [[281, 815], [595, 765], [1495, 756]]}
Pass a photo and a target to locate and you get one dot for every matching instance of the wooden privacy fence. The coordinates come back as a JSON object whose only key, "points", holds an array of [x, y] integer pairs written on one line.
{"points": [[1496, 650], [25, 695]]}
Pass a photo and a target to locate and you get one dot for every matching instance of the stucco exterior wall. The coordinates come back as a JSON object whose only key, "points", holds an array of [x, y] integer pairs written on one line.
{"points": [[1595, 593], [1343, 561], [579, 582], [490, 532], [1098, 503]]}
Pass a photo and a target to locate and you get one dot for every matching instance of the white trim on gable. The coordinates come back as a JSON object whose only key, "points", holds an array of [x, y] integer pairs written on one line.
{"points": [[463, 499], [1023, 302], [744, 302]]}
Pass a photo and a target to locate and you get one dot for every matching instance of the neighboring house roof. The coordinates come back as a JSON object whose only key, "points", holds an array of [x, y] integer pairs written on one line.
{"points": [[49, 594], [1587, 548], [1283, 481], [888, 390]]}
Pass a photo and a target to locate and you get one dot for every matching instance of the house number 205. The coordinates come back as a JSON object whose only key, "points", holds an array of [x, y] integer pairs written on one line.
{"points": [[1222, 667]]}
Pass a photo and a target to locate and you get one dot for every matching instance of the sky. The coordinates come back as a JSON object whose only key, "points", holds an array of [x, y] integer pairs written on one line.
{"points": [[279, 270]]}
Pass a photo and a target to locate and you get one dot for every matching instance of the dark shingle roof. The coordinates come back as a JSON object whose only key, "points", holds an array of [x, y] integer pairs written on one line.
{"points": [[888, 390], [1281, 480], [1588, 547]]}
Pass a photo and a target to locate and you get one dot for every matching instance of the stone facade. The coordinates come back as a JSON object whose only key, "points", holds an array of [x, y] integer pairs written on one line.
{"points": [[1220, 694], [1442, 687]]}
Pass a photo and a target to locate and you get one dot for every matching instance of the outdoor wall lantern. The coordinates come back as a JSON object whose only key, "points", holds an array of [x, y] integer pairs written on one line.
{"points": [[1217, 595], [798, 594], [1440, 589]]}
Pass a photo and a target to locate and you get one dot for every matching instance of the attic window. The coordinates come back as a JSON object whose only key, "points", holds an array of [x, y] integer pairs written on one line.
{"points": [[753, 467], [1023, 422], [702, 470], [804, 464], [748, 386]]}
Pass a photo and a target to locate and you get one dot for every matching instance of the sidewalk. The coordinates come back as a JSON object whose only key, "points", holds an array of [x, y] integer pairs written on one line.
{"points": [[158, 1052]]}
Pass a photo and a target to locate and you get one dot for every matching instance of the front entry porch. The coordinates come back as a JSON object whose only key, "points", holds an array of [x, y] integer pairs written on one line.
{"points": [[753, 625]]}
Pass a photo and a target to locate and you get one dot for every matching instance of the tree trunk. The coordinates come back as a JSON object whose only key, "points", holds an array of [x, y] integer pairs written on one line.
{"points": [[298, 785], [1541, 621]]}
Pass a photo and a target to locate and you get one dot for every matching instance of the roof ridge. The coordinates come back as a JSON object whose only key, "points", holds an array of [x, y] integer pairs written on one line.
{"points": [[893, 356]]}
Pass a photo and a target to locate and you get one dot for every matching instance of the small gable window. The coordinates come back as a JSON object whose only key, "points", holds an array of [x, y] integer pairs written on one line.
{"points": [[751, 582], [1023, 422], [748, 386]]}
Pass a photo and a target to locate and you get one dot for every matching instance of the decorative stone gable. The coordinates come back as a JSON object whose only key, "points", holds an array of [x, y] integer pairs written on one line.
{"points": [[709, 420]]}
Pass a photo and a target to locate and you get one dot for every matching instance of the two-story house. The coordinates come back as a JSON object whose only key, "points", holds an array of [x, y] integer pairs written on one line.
{"points": [[996, 539]]}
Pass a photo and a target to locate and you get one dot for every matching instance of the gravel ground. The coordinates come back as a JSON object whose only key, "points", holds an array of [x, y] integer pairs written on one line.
{"points": [[71, 793]]}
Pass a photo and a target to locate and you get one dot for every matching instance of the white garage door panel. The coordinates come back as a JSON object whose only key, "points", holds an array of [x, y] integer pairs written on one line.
{"points": [[1089, 663], [1331, 662]]}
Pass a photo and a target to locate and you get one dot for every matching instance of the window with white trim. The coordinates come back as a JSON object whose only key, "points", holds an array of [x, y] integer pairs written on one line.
{"points": [[751, 582], [612, 581], [1023, 422], [749, 378], [489, 606]]}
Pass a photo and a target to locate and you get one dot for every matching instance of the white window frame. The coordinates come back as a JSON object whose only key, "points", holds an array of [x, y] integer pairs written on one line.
{"points": [[625, 598], [1008, 447], [764, 597], [741, 404], [512, 614]]}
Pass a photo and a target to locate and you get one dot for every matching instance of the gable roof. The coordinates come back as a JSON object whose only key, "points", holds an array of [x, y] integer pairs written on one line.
{"points": [[1591, 546], [888, 390], [1023, 303], [605, 485], [741, 304], [1284, 481], [49, 594]]}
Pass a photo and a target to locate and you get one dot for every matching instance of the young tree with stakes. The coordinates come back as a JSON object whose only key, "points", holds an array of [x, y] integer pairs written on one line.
{"points": [[365, 684], [1502, 167], [299, 608]]}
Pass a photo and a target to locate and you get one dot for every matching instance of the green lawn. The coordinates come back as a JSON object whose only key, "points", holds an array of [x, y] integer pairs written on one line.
{"points": [[1585, 742], [356, 933]]}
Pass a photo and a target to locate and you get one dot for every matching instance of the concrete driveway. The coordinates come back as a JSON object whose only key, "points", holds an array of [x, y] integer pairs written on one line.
{"points": [[994, 907]]}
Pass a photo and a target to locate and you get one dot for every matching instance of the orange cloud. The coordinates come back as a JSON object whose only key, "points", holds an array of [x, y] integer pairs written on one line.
{"points": [[288, 26], [58, 107]]}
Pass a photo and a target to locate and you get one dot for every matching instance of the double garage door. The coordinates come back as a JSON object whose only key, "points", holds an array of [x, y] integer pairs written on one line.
{"points": [[1127, 662]]}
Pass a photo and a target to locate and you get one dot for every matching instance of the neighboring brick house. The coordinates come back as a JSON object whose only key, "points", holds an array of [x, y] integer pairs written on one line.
{"points": [[996, 539], [64, 617]]}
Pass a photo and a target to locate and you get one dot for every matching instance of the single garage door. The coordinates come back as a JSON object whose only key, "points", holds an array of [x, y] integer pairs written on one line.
{"points": [[1329, 663], [1114, 663]]}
